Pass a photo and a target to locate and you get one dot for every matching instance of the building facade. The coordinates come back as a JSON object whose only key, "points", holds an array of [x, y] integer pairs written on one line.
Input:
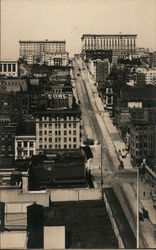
{"points": [[142, 140], [37, 48], [7, 134], [25, 146], [121, 44], [51, 53], [12, 85], [9, 68], [58, 129]]}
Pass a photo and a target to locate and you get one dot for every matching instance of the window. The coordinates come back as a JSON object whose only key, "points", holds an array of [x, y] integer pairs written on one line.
{"points": [[31, 144], [65, 146], [9, 67], [5, 67], [69, 138], [25, 152], [25, 144], [69, 132], [65, 132], [45, 139], [31, 152], [40, 140], [59, 132], [65, 139], [40, 133], [50, 139], [14, 67], [19, 144], [50, 132], [74, 139], [55, 132], [50, 146], [74, 132], [40, 125], [69, 145], [74, 125], [50, 125], [65, 125], [45, 125], [45, 132], [56, 139], [74, 146]]}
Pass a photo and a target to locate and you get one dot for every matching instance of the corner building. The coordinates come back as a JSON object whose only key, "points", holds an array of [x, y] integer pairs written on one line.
{"points": [[58, 129]]}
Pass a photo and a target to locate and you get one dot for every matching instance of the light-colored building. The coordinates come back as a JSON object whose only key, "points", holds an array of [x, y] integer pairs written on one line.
{"points": [[58, 129], [51, 53], [120, 44], [36, 48], [150, 75], [55, 59], [9, 68], [25, 146], [12, 85]]}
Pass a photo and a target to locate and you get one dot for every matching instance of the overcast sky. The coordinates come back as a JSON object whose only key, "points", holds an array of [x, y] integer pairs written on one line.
{"points": [[69, 19]]}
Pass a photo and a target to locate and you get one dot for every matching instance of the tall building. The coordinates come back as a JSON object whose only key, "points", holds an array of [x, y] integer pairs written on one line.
{"points": [[37, 48], [52, 53], [142, 140], [121, 44], [58, 129]]}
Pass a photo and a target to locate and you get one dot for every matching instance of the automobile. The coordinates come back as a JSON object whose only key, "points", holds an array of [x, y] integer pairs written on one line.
{"points": [[123, 153]]}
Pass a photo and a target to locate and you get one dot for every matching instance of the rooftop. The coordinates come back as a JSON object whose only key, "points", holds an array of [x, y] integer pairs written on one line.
{"points": [[42, 41], [87, 223], [125, 230], [118, 35]]}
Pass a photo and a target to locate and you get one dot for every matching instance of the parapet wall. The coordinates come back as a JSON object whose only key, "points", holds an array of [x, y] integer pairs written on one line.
{"points": [[74, 194]]}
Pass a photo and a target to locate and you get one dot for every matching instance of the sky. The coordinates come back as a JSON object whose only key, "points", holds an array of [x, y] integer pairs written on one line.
{"points": [[69, 19]]}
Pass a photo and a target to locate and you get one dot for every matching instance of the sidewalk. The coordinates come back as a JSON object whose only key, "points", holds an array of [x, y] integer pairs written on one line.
{"points": [[112, 130]]}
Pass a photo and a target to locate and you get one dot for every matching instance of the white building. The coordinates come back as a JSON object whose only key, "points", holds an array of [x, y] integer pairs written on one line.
{"points": [[150, 75], [9, 68], [25, 146], [58, 129]]}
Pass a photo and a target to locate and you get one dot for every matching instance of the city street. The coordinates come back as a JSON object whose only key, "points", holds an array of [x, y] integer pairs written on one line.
{"points": [[98, 126]]}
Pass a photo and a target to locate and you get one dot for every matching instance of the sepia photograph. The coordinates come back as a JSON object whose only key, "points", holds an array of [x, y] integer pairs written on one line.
{"points": [[77, 124]]}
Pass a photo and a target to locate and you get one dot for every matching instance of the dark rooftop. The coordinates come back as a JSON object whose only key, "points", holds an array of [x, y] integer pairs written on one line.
{"points": [[87, 223], [141, 93], [26, 128], [125, 230]]}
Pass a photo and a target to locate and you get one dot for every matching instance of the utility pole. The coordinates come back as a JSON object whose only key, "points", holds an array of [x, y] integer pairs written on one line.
{"points": [[137, 207], [101, 171]]}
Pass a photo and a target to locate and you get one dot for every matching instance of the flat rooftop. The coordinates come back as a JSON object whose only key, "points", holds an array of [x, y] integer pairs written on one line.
{"points": [[125, 230], [87, 223]]}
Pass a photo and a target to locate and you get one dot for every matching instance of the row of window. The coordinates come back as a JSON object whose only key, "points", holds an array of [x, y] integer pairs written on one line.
{"points": [[57, 132], [56, 146], [57, 125], [57, 139], [57, 117], [25, 144], [11, 67]]}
